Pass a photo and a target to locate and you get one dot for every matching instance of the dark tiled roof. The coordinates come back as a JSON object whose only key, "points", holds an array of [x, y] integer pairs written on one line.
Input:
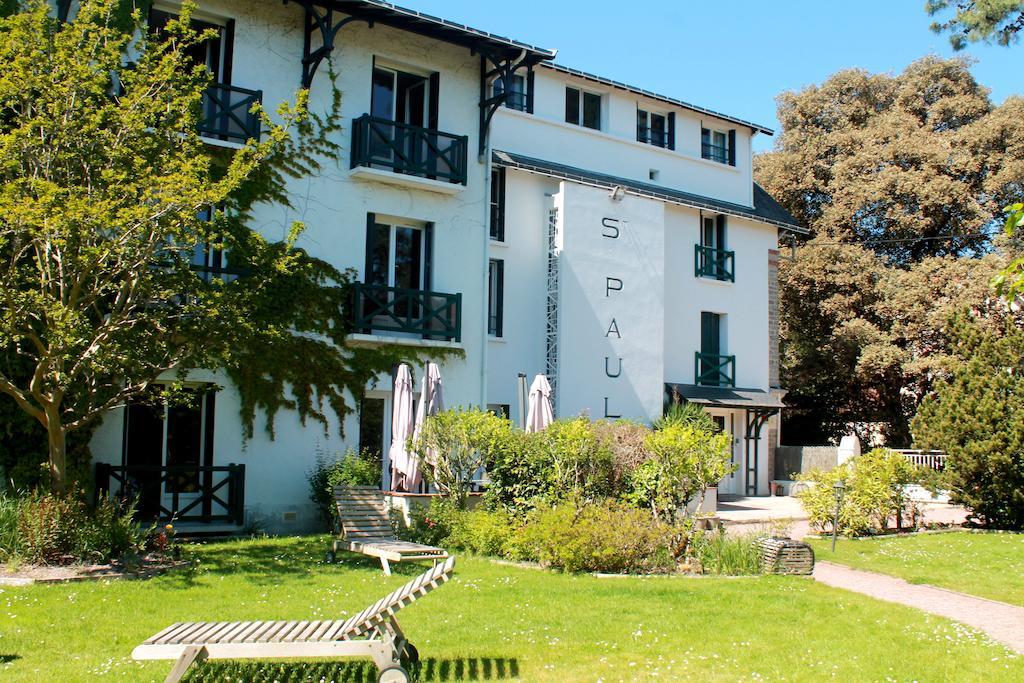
{"points": [[765, 209], [655, 96], [435, 27]]}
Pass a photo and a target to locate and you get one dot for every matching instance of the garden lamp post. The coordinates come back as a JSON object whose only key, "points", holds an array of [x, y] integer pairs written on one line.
{"points": [[838, 489]]}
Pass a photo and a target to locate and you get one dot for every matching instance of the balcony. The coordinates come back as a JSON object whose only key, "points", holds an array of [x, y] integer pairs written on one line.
{"points": [[409, 150], [717, 264], [431, 316], [714, 370], [227, 113]]}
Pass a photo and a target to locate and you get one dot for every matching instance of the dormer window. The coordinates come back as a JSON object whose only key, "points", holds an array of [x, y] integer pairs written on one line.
{"points": [[655, 129], [718, 145], [582, 108], [516, 98]]}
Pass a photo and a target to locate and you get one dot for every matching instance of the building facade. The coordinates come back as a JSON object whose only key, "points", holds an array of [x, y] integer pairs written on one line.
{"points": [[545, 219]]}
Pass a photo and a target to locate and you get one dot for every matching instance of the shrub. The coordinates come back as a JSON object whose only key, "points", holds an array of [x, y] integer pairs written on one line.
{"points": [[454, 444], [579, 465], [625, 440], [56, 529], [351, 469], [517, 470], [977, 417], [602, 536], [684, 461], [430, 525], [717, 553], [686, 415], [874, 491], [484, 532], [9, 542]]}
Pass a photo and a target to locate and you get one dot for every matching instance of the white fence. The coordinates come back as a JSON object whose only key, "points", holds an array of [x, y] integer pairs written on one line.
{"points": [[933, 460]]}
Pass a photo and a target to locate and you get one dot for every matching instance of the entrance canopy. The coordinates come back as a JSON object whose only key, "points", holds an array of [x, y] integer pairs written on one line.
{"points": [[723, 397]]}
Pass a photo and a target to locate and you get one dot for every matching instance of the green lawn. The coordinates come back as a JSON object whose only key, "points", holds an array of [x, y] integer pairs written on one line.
{"points": [[496, 622], [987, 565]]}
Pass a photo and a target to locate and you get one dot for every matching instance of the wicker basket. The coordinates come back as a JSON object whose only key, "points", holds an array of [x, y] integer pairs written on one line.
{"points": [[786, 556]]}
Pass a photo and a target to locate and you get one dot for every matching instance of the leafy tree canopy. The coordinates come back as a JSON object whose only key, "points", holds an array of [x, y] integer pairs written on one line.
{"points": [[103, 178], [990, 21]]}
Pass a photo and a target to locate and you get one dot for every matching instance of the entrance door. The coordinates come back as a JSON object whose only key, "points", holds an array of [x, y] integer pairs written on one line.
{"points": [[731, 484], [167, 440]]}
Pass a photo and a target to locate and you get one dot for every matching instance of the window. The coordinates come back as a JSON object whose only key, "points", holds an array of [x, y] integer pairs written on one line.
{"points": [[713, 259], [517, 94], [371, 426], [718, 146], [652, 128], [215, 52], [498, 204], [495, 296], [712, 367], [159, 435], [499, 409], [583, 108], [395, 256], [209, 261]]}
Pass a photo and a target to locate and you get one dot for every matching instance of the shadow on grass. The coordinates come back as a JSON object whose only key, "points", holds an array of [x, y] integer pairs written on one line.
{"points": [[6, 659], [269, 562], [430, 669]]}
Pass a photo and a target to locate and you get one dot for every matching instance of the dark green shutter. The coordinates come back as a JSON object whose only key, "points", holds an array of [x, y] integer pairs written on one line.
{"points": [[371, 235], [709, 333], [229, 51], [671, 130], [732, 147], [428, 257], [529, 90], [720, 231]]}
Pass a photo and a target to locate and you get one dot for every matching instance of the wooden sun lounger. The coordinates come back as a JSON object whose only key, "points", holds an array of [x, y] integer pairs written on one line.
{"points": [[366, 529], [373, 633]]}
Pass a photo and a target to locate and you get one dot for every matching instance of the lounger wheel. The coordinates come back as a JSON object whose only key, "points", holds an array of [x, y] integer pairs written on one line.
{"points": [[410, 655], [393, 674], [330, 557]]}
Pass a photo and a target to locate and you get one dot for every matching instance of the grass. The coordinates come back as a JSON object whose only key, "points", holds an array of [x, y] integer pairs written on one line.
{"points": [[496, 622], [984, 564]]}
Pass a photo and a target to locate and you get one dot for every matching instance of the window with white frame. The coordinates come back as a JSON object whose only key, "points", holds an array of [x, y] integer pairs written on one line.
{"points": [[652, 128], [516, 98], [718, 145], [582, 108]]}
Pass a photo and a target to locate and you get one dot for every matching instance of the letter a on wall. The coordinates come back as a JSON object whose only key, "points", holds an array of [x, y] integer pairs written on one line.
{"points": [[614, 327]]}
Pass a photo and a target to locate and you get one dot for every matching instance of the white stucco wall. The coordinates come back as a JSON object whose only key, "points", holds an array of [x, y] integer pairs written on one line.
{"points": [[614, 149]]}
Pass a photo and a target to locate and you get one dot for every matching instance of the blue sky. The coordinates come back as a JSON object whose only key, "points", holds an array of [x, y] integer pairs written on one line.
{"points": [[733, 56]]}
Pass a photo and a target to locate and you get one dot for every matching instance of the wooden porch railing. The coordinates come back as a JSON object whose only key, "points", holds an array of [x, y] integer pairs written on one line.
{"points": [[185, 494], [410, 150]]}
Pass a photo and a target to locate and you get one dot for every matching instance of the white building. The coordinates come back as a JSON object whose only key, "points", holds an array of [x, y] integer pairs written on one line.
{"points": [[556, 222]]}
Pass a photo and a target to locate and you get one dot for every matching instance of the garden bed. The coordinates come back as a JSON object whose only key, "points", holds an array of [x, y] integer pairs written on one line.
{"points": [[151, 565]]}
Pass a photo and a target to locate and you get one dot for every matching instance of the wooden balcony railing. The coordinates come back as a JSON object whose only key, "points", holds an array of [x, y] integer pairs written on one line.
{"points": [[410, 150], [431, 315], [183, 493], [714, 263], [713, 370], [227, 115]]}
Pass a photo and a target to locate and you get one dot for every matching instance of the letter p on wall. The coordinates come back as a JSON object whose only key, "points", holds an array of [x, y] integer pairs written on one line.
{"points": [[612, 284]]}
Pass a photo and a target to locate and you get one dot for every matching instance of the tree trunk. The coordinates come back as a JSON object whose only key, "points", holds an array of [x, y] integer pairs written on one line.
{"points": [[57, 440]]}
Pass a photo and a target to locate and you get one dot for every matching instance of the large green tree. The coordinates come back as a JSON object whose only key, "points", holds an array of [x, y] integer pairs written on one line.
{"points": [[998, 21], [896, 176], [102, 179]]}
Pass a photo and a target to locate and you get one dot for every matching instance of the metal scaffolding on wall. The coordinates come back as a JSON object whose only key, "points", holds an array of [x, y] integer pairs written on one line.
{"points": [[551, 325]]}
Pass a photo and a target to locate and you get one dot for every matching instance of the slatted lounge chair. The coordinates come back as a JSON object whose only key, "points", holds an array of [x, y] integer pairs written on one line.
{"points": [[366, 529], [373, 633]]}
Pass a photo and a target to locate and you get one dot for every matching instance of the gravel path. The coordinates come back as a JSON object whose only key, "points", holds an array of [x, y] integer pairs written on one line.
{"points": [[1002, 622]]}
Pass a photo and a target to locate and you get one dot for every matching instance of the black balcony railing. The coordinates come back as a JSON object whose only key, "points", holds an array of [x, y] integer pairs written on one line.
{"points": [[431, 315], [227, 113], [719, 153], [652, 136], [411, 150], [714, 263], [182, 493], [714, 370]]}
